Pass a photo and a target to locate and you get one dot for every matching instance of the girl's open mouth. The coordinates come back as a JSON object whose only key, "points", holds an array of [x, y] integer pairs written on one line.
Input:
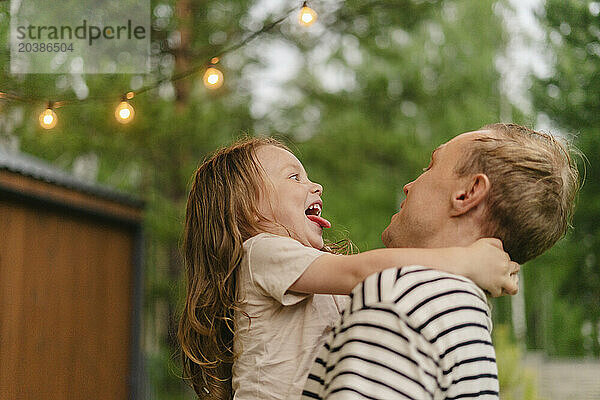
{"points": [[313, 212]]}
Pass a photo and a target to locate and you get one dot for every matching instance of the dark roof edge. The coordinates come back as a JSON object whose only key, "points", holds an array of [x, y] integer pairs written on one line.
{"points": [[35, 168]]}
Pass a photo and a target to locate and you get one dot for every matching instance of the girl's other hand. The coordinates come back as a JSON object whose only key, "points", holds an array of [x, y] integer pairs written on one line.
{"points": [[490, 267]]}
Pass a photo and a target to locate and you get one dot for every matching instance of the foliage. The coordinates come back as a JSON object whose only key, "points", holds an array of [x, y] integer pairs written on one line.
{"points": [[422, 80], [517, 382], [570, 98]]}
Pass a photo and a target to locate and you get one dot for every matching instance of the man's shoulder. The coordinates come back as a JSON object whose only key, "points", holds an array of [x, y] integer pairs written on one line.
{"points": [[412, 278], [423, 295], [406, 283]]}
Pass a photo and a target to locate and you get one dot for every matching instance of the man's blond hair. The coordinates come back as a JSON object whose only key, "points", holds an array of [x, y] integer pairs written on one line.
{"points": [[534, 182]]}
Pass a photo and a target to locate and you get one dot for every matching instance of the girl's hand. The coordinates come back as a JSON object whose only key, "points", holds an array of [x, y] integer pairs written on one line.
{"points": [[490, 267]]}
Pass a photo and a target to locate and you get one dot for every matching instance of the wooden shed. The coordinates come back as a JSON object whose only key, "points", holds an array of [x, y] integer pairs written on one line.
{"points": [[70, 286]]}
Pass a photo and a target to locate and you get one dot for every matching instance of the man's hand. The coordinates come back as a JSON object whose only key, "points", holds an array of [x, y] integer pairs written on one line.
{"points": [[490, 267]]}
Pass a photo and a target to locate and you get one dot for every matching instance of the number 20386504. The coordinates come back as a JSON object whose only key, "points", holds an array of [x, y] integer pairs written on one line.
{"points": [[44, 47]]}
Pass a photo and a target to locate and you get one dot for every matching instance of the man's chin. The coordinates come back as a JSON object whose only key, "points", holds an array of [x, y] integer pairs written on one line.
{"points": [[392, 241], [386, 238]]}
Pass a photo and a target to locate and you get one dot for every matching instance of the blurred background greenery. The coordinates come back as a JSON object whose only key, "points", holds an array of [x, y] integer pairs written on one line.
{"points": [[362, 97]]}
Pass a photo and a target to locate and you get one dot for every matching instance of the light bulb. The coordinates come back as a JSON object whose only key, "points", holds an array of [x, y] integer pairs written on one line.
{"points": [[124, 112], [213, 78], [307, 16], [48, 119]]}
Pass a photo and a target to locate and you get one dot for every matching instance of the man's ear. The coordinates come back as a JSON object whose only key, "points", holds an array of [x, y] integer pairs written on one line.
{"points": [[472, 194]]}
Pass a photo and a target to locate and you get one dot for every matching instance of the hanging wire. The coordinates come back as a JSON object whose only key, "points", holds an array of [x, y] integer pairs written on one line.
{"points": [[61, 103]]}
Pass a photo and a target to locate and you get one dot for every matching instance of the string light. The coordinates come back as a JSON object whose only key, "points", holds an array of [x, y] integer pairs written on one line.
{"points": [[124, 112], [48, 118], [213, 78], [307, 15]]}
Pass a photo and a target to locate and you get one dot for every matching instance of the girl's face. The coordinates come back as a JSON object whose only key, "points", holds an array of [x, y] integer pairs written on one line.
{"points": [[291, 199]]}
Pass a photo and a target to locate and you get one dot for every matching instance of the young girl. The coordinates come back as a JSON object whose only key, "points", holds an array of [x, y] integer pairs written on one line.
{"points": [[260, 282]]}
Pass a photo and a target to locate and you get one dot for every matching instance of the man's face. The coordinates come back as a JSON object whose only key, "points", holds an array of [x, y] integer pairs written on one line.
{"points": [[425, 214]]}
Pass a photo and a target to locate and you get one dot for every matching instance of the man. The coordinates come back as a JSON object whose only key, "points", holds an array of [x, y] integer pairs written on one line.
{"points": [[417, 333]]}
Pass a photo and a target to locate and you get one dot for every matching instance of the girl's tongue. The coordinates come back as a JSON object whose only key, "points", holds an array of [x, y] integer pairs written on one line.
{"points": [[323, 223]]}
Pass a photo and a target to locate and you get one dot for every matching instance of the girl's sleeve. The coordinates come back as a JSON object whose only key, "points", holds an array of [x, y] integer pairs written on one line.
{"points": [[276, 262]]}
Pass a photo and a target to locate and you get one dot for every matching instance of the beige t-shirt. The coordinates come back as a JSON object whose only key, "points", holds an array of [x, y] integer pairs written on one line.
{"points": [[277, 347]]}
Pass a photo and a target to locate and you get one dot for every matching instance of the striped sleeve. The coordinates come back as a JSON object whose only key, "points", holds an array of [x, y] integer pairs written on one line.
{"points": [[373, 354], [413, 333]]}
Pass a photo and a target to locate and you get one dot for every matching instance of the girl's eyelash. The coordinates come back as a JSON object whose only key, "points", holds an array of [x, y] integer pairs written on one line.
{"points": [[295, 177]]}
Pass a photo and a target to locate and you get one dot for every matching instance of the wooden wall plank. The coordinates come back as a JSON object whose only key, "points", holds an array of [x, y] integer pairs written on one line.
{"points": [[118, 292], [12, 276], [63, 272], [66, 290]]}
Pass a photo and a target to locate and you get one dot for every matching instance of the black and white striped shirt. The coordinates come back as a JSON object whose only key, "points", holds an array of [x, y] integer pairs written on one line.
{"points": [[410, 333]]}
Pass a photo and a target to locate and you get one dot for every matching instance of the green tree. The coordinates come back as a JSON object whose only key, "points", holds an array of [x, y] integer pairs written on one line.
{"points": [[569, 306], [418, 79]]}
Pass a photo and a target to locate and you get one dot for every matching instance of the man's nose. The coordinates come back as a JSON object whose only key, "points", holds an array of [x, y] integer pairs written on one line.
{"points": [[406, 187]]}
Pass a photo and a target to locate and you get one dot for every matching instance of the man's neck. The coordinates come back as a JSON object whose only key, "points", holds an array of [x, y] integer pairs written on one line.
{"points": [[456, 233]]}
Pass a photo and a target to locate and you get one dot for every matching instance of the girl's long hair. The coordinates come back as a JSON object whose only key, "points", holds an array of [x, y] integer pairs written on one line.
{"points": [[221, 214]]}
